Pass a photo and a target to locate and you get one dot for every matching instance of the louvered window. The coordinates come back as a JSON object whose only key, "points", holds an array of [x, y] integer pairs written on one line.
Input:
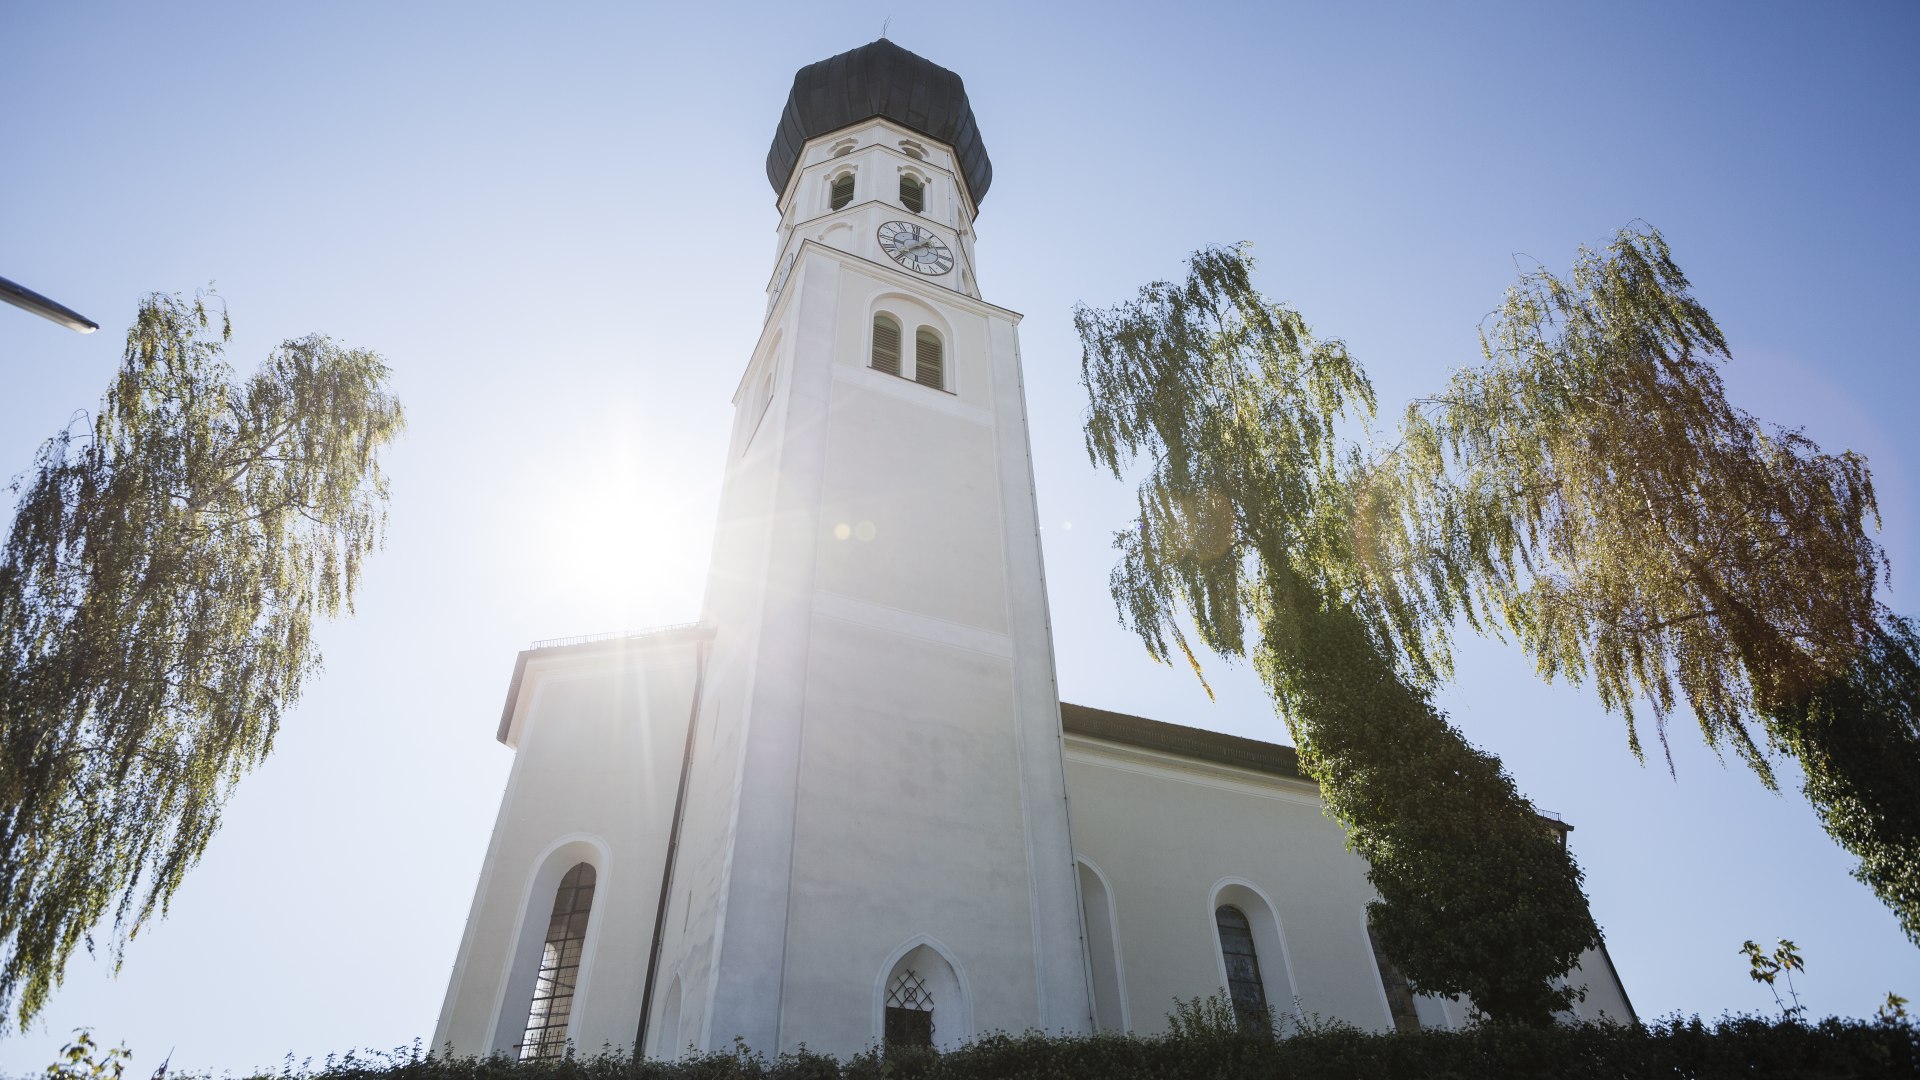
{"points": [[886, 344], [929, 368], [912, 195], [1399, 991], [546, 1035], [842, 191], [1243, 968]]}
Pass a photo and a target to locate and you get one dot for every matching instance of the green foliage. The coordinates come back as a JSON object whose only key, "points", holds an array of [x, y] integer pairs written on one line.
{"points": [[1590, 486], [1247, 525], [1857, 737], [1769, 969], [1210, 1017], [1744, 1047], [157, 595], [1894, 1011], [86, 1059], [1590, 489], [1216, 1018]]}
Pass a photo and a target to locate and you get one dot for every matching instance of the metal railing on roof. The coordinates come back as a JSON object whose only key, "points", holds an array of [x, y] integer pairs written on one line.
{"points": [[612, 635]]}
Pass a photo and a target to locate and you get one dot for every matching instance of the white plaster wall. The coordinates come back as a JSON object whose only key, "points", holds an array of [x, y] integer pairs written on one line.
{"points": [[1606, 999], [908, 822], [942, 556], [1168, 834], [1173, 837], [599, 734], [697, 899]]}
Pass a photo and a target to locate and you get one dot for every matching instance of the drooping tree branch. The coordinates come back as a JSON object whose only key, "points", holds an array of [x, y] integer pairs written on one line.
{"points": [[1251, 526], [1590, 488], [157, 595]]}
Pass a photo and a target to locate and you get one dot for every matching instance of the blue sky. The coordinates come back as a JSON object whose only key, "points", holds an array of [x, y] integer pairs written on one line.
{"points": [[555, 223]]}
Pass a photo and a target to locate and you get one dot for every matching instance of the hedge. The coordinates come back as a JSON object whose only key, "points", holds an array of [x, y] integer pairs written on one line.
{"points": [[1735, 1046]]}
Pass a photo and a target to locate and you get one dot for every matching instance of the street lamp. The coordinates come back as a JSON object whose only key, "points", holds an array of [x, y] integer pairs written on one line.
{"points": [[22, 297]]}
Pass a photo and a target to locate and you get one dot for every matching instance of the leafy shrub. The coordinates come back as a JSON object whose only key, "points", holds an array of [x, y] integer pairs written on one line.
{"points": [[1734, 1046]]}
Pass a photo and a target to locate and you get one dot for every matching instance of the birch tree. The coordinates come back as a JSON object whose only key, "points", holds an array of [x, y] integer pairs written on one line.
{"points": [[1589, 488], [1246, 506], [158, 592]]}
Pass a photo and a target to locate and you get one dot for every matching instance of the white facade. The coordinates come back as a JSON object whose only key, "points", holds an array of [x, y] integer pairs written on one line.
{"points": [[1170, 823], [854, 767]]}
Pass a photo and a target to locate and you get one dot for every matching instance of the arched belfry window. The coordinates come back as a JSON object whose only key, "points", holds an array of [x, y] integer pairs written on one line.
{"points": [[886, 344], [913, 194], [909, 1010], [841, 192], [929, 359], [1243, 968], [546, 1034]]}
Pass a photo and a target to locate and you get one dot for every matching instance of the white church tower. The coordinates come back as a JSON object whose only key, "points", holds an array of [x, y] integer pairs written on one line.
{"points": [[878, 779], [835, 809]]}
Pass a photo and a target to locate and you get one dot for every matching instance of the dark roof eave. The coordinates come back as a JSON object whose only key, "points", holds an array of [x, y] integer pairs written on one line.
{"points": [[1198, 743]]}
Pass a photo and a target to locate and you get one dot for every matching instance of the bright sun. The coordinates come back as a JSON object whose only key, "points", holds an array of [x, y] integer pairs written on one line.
{"points": [[619, 550]]}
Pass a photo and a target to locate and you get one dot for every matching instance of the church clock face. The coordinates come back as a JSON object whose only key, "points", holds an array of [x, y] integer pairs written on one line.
{"points": [[915, 248]]}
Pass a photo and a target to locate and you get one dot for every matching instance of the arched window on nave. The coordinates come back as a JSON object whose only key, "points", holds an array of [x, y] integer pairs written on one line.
{"points": [[546, 1033], [1243, 968]]}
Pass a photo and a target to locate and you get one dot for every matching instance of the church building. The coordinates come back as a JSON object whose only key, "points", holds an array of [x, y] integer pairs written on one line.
{"points": [[848, 806]]}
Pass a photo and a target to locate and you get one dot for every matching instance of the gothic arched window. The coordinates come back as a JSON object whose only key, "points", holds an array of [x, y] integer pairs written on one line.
{"points": [[929, 359], [913, 194], [886, 345], [1243, 967], [546, 1035], [841, 192]]}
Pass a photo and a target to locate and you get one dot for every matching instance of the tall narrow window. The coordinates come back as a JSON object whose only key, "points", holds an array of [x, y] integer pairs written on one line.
{"points": [[766, 402], [1243, 968], [841, 192], [909, 1011], [912, 195], [546, 1035], [929, 363], [1399, 991], [886, 344]]}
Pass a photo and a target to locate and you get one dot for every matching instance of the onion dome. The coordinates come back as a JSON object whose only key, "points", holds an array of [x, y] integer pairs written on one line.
{"points": [[884, 80]]}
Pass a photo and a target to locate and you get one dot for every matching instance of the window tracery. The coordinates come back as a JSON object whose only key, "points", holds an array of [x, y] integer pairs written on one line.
{"points": [[909, 1011]]}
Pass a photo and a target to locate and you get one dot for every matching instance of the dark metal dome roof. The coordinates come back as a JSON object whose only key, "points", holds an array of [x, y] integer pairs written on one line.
{"points": [[879, 79]]}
